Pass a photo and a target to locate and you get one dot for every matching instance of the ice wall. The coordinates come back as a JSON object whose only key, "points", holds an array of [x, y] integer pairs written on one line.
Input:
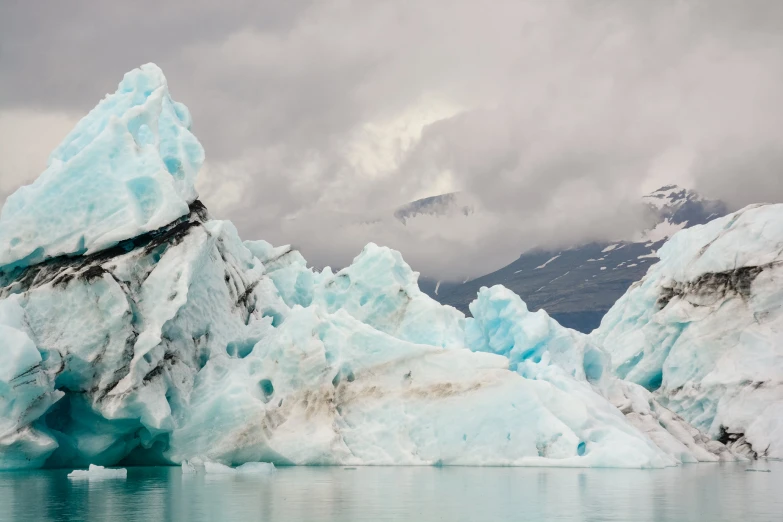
{"points": [[26, 393], [704, 329]]}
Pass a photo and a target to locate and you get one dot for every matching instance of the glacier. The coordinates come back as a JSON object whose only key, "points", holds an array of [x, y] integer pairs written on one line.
{"points": [[703, 330], [137, 329]]}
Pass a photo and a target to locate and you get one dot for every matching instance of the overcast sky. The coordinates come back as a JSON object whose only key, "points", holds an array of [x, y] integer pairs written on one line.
{"points": [[553, 115]]}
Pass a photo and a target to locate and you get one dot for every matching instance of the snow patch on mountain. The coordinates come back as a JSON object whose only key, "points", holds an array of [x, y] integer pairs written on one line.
{"points": [[663, 230], [542, 265]]}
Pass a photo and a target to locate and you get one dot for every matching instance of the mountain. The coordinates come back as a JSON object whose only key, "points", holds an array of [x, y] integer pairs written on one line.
{"points": [[578, 285], [442, 205]]}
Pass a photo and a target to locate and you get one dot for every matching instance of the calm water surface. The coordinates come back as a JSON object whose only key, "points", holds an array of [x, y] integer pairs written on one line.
{"points": [[702, 492]]}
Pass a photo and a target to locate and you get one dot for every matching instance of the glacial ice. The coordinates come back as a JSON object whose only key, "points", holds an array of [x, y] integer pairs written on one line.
{"points": [[128, 167], [381, 290], [326, 389], [26, 393], [703, 330], [502, 324], [98, 473], [180, 346], [166, 339], [539, 348]]}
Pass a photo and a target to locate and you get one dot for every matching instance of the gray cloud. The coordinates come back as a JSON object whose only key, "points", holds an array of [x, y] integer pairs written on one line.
{"points": [[553, 116]]}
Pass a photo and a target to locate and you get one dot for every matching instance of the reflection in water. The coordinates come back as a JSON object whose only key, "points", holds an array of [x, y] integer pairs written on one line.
{"points": [[699, 492]]}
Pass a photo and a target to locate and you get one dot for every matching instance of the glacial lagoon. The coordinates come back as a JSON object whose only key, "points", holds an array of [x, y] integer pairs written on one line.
{"points": [[697, 492]]}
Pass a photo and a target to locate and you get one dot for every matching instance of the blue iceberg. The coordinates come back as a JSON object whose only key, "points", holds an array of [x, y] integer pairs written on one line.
{"points": [[137, 329]]}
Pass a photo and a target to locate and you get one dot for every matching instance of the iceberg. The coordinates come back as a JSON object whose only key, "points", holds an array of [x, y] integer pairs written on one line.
{"points": [[98, 473], [703, 331], [138, 328]]}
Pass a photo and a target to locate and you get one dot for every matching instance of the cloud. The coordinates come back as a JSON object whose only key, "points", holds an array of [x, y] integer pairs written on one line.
{"points": [[553, 116], [26, 139]]}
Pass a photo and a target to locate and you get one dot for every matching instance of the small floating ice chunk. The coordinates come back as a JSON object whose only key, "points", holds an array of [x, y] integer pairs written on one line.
{"points": [[98, 472], [188, 468]]}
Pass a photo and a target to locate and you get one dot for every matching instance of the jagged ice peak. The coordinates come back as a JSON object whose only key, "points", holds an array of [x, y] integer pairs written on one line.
{"points": [[127, 168]]}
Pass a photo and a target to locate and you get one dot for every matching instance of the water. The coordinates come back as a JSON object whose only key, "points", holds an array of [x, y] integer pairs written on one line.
{"points": [[702, 492]]}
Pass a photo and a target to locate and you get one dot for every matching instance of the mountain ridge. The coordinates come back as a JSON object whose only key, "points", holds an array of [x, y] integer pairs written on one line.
{"points": [[578, 285]]}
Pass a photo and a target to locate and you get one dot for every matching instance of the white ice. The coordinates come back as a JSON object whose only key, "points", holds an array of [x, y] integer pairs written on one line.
{"points": [[26, 393], [98, 473], [128, 167], [539, 348], [704, 329]]}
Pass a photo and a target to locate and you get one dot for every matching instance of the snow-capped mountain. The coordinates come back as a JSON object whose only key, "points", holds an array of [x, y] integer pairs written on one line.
{"points": [[676, 208], [442, 205], [578, 285]]}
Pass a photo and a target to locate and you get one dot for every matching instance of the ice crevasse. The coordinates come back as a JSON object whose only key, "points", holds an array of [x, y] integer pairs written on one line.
{"points": [[135, 328]]}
